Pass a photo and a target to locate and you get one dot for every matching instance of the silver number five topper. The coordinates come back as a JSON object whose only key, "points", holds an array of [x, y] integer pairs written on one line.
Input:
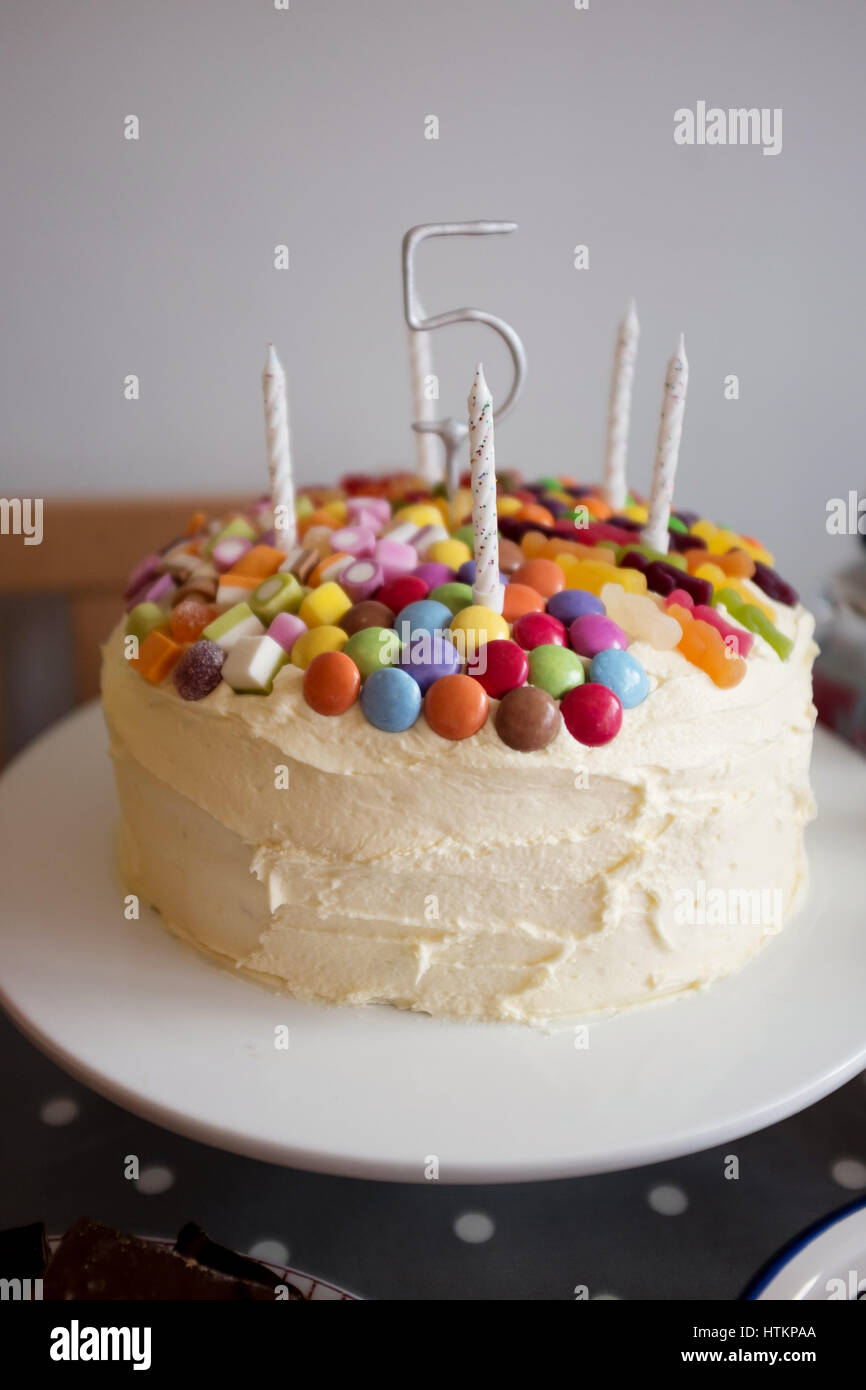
{"points": [[453, 432]]}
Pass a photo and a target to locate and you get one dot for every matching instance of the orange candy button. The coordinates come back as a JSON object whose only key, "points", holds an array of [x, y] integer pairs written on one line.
{"points": [[456, 706], [158, 655], [520, 599], [331, 683], [544, 576]]}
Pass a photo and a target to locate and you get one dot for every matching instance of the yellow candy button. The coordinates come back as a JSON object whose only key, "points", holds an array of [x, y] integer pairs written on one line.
{"points": [[637, 512], [475, 625], [319, 639], [337, 509], [507, 506], [325, 605], [705, 529], [420, 514], [452, 553]]}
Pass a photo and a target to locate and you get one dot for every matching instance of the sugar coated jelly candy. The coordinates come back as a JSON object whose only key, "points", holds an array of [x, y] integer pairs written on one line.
{"points": [[705, 648], [736, 639], [189, 619], [391, 700], [527, 719], [756, 621], [592, 714], [199, 670], [639, 617]]}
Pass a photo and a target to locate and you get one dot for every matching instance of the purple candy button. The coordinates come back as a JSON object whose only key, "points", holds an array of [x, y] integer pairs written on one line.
{"points": [[429, 656], [569, 604], [466, 574], [434, 574], [593, 633]]}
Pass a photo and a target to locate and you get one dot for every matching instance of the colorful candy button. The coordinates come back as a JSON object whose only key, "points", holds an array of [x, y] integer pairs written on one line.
{"points": [[230, 627], [427, 615], [539, 629], [373, 648], [545, 576], [475, 625], [574, 603], [623, 674], [157, 655], [452, 552], [520, 599], [499, 666], [318, 639], [592, 634], [511, 557], [145, 618], [454, 595], [391, 700], [434, 574], [456, 707], [400, 592], [555, 669], [527, 719], [368, 613], [199, 670], [428, 657], [592, 714], [332, 682]]}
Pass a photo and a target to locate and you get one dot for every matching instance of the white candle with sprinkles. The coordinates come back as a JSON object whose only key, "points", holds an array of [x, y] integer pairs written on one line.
{"points": [[487, 589], [619, 410], [279, 453], [655, 533], [427, 446]]}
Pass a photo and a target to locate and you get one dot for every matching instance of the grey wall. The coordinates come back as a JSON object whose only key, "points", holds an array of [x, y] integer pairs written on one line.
{"points": [[307, 127]]}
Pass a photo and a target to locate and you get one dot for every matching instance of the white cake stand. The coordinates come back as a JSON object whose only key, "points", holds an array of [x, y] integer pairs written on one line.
{"points": [[377, 1093]]}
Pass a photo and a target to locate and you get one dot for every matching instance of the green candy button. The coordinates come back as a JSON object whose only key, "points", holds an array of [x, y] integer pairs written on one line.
{"points": [[555, 669], [145, 618], [373, 648], [454, 595]]}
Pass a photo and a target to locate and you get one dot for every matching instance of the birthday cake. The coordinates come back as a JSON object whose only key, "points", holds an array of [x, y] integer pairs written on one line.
{"points": [[341, 773]]}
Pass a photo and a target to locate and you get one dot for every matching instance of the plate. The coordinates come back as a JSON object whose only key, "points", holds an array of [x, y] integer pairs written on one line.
{"points": [[379, 1093], [826, 1263]]}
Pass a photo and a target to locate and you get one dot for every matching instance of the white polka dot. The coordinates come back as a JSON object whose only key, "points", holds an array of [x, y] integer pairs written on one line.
{"points": [[155, 1180], [272, 1251], [60, 1110], [850, 1173], [667, 1200], [474, 1227], [605, 1298]]}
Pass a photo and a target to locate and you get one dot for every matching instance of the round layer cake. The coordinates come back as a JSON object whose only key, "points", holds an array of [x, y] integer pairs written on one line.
{"points": [[461, 849]]}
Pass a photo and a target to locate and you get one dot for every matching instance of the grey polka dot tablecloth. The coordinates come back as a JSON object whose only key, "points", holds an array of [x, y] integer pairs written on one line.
{"points": [[676, 1230]]}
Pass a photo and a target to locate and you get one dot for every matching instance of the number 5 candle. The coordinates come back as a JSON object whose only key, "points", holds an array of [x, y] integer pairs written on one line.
{"points": [[279, 453], [487, 589], [655, 533]]}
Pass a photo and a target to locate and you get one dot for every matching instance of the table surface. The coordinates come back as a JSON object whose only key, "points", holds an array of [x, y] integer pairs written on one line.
{"points": [[671, 1231]]}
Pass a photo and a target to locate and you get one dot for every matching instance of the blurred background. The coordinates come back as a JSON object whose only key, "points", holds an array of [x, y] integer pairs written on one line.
{"points": [[306, 127]]}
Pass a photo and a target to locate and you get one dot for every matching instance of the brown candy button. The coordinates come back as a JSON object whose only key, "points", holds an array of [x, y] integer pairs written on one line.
{"points": [[510, 556], [527, 719], [367, 613]]}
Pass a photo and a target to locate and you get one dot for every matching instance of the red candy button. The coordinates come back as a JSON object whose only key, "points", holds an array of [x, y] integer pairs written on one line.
{"points": [[405, 589], [592, 714], [535, 629], [499, 667], [455, 706]]}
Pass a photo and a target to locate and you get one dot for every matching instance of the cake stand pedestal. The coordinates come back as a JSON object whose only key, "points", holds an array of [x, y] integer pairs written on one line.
{"points": [[378, 1093]]}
